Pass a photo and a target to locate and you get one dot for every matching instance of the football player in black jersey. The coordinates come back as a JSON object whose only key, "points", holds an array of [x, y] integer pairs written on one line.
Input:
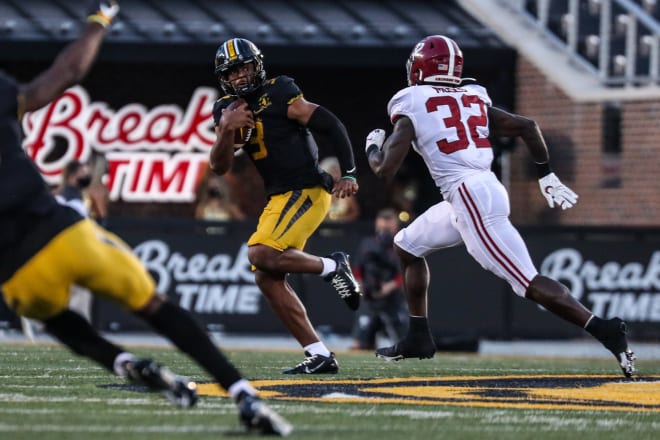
{"points": [[279, 120], [46, 246]]}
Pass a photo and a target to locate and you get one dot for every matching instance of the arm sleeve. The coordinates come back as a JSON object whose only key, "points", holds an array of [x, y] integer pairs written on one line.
{"points": [[19, 178], [21, 183], [325, 122]]}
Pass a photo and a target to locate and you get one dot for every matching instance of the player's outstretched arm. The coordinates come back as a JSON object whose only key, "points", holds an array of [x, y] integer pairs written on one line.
{"points": [[505, 124], [385, 156], [72, 63], [508, 124]]}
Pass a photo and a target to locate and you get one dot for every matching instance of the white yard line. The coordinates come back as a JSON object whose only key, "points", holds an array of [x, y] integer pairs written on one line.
{"points": [[145, 429]]}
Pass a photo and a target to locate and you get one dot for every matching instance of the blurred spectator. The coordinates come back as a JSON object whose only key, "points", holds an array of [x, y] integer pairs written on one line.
{"points": [[341, 210], [97, 195], [214, 200], [82, 189], [378, 271], [76, 178]]}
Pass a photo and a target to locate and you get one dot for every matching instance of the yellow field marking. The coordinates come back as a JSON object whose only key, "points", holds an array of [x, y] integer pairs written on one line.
{"points": [[631, 392], [582, 392]]}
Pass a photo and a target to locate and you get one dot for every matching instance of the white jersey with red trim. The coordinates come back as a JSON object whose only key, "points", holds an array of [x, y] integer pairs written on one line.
{"points": [[451, 134], [451, 128]]}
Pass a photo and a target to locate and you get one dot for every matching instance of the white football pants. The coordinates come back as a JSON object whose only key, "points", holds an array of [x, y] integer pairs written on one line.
{"points": [[477, 214]]}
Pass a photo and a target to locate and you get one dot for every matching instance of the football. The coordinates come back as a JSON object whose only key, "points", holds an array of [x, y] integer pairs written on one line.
{"points": [[236, 103], [242, 135]]}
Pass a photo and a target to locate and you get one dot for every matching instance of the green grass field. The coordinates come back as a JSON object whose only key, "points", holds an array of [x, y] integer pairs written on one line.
{"points": [[48, 393]]}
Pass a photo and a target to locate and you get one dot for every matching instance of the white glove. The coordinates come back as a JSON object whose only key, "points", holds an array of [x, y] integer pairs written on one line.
{"points": [[556, 192], [376, 137]]}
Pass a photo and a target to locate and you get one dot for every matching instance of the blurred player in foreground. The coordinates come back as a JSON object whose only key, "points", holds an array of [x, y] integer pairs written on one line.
{"points": [[299, 191], [45, 247], [447, 120]]}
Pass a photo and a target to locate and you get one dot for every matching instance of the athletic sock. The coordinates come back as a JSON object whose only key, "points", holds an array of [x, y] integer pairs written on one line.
{"points": [[419, 330], [76, 333], [241, 386], [188, 336], [610, 332], [119, 365], [317, 348], [595, 326], [586, 324], [419, 326], [329, 266]]}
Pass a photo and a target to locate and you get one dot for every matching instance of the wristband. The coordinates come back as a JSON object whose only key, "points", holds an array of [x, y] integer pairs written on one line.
{"points": [[100, 18], [543, 169], [349, 177]]}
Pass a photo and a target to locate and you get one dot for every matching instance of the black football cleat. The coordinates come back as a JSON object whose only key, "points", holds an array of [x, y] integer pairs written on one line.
{"points": [[257, 417], [407, 348], [343, 281], [613, 337], [315, 364], [179, 390], [626, 361]]}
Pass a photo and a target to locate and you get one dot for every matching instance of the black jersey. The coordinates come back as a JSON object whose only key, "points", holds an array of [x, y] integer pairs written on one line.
{"points": [[375, 263], [283, 151], [29, 215]]}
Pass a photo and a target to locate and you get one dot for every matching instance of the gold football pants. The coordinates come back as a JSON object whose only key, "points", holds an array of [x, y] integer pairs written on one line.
{"points": [[83, 254], [289, 219]]}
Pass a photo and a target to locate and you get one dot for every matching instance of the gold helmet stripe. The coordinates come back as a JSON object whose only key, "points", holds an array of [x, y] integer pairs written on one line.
{"points": [[231, 49]]}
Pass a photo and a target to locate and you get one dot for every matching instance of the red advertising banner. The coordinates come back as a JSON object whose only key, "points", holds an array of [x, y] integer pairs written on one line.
{"points": [[153, 155]]}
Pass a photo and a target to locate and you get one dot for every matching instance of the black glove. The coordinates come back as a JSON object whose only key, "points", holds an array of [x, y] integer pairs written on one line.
{"points": [[103, 12]]}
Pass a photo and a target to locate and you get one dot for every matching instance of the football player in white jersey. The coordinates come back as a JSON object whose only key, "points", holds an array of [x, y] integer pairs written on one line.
{"points": [[447, 120]]}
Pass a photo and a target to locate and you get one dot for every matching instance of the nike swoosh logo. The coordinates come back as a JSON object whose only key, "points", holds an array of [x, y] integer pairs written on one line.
{"points": [[351, 171], [312, 370]]}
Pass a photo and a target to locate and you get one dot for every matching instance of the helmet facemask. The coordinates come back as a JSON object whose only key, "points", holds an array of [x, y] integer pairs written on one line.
{"points": [[412, 80], [252, 80]]}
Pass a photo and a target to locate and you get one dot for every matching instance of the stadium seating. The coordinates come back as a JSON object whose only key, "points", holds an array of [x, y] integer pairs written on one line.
{"points": [[618, 39]]}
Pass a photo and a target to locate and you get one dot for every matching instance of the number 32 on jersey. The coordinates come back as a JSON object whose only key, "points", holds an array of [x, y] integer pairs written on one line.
{"points": [[466, 131]]}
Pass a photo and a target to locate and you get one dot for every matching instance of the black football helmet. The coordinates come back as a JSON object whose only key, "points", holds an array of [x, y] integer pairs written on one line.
{"points": [[236, 52]]}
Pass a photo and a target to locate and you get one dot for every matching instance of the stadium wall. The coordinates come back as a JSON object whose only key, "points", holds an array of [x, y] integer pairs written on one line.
{"points": [[612, 167], [203, 267]]}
